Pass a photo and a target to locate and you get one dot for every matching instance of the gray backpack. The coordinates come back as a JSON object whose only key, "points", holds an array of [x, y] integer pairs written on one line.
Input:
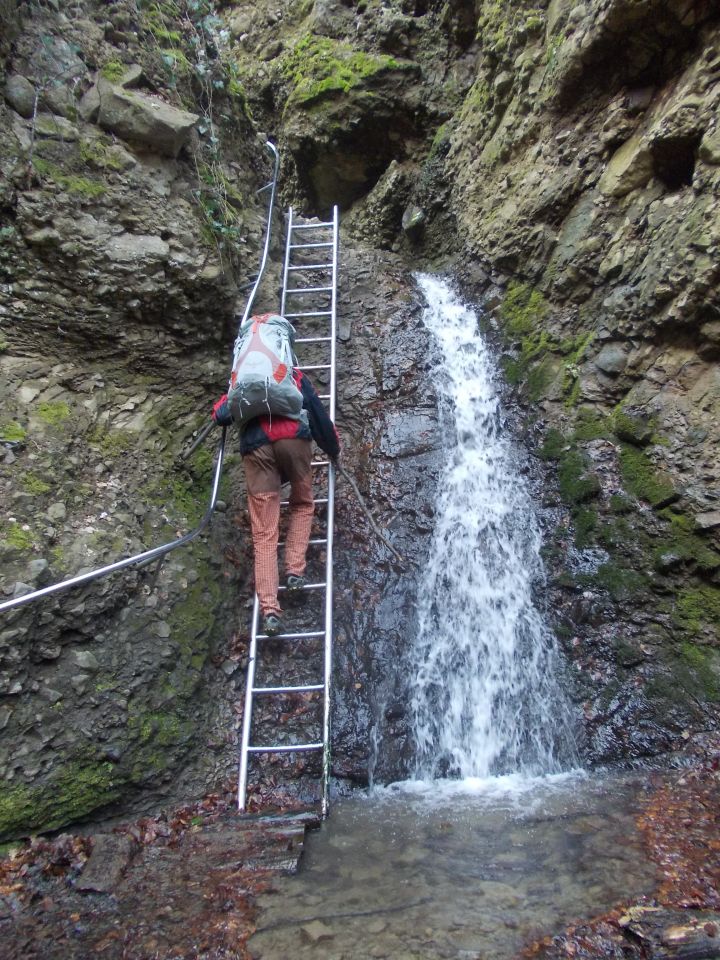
{"points": [[262, 381]]}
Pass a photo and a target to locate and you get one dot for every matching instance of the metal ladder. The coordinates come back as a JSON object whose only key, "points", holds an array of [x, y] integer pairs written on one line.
{"points": [[309, 300]]}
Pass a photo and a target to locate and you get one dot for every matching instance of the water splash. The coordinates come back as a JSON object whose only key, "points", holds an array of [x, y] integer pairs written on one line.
{"points": [[486, 697]]}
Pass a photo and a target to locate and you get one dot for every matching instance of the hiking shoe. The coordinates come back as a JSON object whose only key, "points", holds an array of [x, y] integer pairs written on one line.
{"points": [[295, 585], [272, 625]]}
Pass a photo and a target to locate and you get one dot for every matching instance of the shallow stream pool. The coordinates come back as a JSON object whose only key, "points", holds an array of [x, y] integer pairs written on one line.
{"points": [[472, 870]]}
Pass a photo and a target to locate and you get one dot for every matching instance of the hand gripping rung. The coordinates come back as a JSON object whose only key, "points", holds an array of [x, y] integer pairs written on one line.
{"points": [[306, 688], [290, 748]]}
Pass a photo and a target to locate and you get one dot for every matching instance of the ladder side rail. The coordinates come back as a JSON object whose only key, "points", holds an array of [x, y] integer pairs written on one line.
{"points": [[287, 261], [139, 558], [247, 713], [266, 247], [330, 527]]}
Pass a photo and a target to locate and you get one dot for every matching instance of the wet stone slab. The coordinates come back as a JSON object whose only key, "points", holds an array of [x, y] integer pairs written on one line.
{"points": [[443, 875]]}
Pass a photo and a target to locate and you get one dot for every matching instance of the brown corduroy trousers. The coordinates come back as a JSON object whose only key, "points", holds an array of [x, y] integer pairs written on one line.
{"points": [[266, 469]]}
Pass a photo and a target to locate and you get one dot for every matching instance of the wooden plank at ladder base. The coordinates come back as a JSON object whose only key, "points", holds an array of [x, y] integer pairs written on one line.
{"points": [[320, 235]]}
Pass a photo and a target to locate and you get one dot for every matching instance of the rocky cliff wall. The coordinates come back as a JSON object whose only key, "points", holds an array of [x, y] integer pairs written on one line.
{"points": [[561, 160], [128, 167]]}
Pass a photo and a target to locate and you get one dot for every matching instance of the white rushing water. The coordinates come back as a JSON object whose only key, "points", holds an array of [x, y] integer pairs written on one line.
{"points": [[486, 695]]}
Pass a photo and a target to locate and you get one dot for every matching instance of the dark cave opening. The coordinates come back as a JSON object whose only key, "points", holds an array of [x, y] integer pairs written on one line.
{"points": [[674, 160]]}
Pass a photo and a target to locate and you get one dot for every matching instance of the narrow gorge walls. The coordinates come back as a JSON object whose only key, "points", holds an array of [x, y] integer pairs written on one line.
{"points": [[559, 159]]}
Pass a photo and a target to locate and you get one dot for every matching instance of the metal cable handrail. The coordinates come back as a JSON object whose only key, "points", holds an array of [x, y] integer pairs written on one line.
{"points": [[156, 552]]}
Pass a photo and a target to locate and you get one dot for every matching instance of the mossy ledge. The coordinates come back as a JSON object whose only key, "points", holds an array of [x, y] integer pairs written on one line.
{"points": [[319, 68], [77, 791]]}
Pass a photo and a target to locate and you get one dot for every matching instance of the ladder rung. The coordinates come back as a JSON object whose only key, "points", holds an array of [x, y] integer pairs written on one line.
{"points": [[307, 246], [309, 339], [291, 636], [286, 503], [309, 586], [312, 226], [320, 463], [266, 187], [307, 688], [324, 396], [311, 543], [317, 366], [291, 748], [311, 313], [313, 266], [308, 290]]}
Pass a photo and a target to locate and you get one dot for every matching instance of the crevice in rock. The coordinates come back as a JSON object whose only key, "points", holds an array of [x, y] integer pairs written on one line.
{"points": [[674, 160]]}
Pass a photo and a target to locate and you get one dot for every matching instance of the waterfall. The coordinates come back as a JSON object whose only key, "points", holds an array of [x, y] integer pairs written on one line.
{"points": [[485, 692]]}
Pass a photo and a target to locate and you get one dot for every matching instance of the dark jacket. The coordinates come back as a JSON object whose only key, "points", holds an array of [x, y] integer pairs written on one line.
{"points": [[267, 429]]}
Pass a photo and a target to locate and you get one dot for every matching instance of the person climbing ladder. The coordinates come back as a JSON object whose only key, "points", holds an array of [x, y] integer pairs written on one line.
{"points": [[276, 448]]}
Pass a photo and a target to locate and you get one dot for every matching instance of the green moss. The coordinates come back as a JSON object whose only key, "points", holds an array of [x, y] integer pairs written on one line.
{"points": [[590, 426], [621, 582], [620, 504], [53, 413], [499, 22], [17, 537], [554, 445], [698, 608], [69, 182], [539, 377], [616, 534], [112, 442], [98, 153], [81, 186], [176, 60], [477, 101], [34, 485], [318, 68], [641, 478], [576, 484], [585, 521], [76, 791], [12, 432], [440, 142], [692, 674], [634, 428], [523, 310], [574, 350], [4, 344], [701, 662], [113, 71], [681, 541], [551, 51]]}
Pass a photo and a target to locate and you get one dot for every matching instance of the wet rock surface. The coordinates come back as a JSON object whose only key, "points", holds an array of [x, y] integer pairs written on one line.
{"points": [[181, 886]]}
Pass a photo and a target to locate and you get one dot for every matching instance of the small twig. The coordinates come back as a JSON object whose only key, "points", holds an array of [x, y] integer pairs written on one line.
{"points": [[366, 511]]}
